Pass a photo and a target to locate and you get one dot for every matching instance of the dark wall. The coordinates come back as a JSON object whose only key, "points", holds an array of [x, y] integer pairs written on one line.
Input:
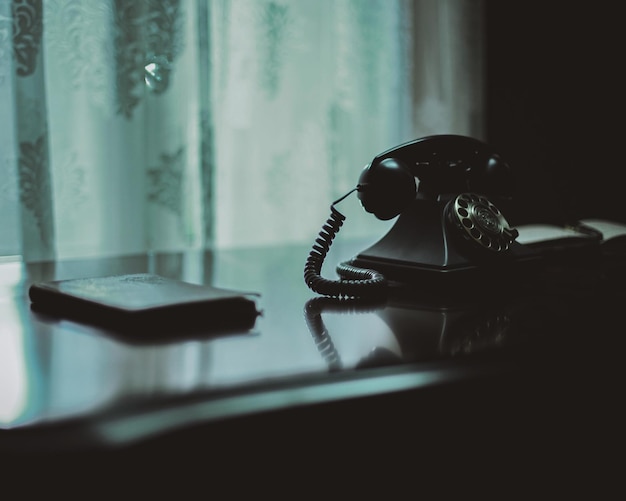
{"points": [[555, 106]]}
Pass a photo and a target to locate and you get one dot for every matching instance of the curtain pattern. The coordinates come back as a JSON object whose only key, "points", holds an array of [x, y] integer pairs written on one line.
{"points": [[143, 125], [30, 126]]}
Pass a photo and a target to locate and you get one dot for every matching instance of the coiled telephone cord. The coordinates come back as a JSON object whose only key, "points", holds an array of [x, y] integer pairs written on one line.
{"points": [[355, 282], [313, 310]]}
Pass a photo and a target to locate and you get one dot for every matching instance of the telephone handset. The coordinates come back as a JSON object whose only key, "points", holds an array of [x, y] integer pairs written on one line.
{"points": [[449, 230]]}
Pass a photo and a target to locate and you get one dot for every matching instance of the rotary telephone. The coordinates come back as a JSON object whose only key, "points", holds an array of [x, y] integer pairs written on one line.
{"points": [[450, 231]]}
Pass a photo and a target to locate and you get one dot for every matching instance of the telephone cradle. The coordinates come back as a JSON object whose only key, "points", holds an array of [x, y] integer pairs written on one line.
{"points": [[446, 191]]}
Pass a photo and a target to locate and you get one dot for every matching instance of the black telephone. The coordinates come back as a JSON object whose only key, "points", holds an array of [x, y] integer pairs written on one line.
{"points": [[450, 229]]}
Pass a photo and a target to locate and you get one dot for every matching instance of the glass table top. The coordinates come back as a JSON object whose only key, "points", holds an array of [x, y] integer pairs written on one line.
{"points": [[302, 348]]}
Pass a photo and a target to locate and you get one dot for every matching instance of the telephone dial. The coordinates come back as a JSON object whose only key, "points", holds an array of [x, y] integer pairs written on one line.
{"points": [[448, 191]]}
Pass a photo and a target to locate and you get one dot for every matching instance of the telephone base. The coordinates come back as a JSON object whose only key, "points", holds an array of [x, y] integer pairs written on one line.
{"points": [[422, 249], [485, 278]]}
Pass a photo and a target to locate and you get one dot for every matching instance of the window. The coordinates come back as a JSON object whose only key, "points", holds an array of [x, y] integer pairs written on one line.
{"points": [[167, 125]]}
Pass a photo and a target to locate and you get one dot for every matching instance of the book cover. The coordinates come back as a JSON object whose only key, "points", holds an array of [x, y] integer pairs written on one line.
{"points": [[145, 302]]}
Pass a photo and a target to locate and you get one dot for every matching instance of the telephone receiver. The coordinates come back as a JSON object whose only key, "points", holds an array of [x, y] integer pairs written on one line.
{"points": [[447, 191]]}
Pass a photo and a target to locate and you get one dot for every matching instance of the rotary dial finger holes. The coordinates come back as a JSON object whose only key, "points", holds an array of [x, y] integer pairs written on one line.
{"points": [[481, 222]]}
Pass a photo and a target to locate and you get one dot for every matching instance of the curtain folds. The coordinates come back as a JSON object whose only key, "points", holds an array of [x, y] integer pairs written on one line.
{"points": [[132, 126], [107, 123]]}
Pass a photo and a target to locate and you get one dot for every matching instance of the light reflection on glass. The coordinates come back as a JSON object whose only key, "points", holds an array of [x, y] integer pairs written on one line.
{"points": [[14, 380], [82, 372], [89, 370], [13, 375], [11, 273], [372, 333]]}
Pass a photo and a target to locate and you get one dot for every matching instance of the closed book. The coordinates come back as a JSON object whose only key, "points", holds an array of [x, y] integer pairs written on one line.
{"points": [[145, 303]]}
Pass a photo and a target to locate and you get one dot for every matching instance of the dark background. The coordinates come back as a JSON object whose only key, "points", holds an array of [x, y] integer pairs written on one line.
{"points": [[554, 106]]}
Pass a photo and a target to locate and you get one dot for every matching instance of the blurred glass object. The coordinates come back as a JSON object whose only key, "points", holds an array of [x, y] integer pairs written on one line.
{"points": [[157, 75]]}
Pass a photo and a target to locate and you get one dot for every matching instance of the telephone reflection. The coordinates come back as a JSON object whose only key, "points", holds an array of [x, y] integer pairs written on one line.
{"points": [[450, 230], [408, 333]]}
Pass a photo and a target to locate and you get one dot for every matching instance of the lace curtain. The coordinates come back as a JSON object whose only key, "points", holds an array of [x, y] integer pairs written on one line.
{"points": [[132, 126]]}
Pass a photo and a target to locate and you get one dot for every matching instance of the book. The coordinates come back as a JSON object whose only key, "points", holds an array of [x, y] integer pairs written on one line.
{"points": [[145, 304], [593, 249], [583, 232]]}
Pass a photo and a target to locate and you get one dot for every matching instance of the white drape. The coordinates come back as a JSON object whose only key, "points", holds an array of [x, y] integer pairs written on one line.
{"points": [[129, 126]]}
